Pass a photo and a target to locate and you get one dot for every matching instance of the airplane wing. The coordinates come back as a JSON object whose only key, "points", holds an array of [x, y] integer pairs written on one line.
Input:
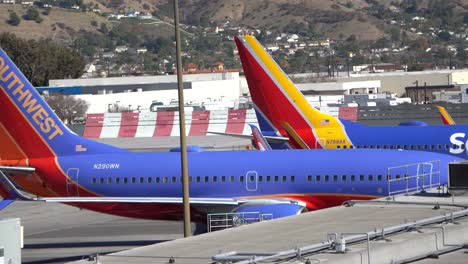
{"points": [[270, 139]]}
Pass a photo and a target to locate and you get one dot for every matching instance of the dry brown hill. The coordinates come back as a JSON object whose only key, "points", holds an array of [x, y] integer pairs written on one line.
{"points": [[59, 25], [332, 18]]}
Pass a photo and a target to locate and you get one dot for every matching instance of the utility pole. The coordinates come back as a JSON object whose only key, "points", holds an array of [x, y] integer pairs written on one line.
{"points": [[183, 141]]}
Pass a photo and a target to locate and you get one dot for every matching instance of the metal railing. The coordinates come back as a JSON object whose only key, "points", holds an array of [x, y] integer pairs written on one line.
{"points": [[240, 257], [413, 178], [222, 221]]}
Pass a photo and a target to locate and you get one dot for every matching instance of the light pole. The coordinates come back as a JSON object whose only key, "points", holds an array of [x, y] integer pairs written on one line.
{"points": [[183, 142]]}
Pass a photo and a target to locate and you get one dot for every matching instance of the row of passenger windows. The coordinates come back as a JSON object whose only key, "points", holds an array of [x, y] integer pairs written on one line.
{"points": [[198, 179], [410, 147], [231, 179], [344, 178]]}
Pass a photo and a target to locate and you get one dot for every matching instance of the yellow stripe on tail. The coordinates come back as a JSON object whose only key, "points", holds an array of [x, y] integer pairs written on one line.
{"points": [[446, 118]]}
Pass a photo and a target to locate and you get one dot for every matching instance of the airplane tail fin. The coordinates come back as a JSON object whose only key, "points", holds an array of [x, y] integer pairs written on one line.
{"points": [[275, 95], [260, 142], [29, 128], [445, 116]]}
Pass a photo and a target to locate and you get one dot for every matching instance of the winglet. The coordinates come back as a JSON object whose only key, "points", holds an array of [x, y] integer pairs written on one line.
{"points": [[259, 140], [445, 116]]}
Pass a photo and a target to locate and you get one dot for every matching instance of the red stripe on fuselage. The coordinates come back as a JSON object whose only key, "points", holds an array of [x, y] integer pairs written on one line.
{"points": [[271, 100], [317, 201]]}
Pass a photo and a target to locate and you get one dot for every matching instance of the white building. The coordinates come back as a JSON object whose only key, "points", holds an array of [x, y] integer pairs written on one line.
{"points": [[120, 49], [214, 90]]}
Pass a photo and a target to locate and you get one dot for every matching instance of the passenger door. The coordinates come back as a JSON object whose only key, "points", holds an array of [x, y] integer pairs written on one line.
{"points": [[72, 182], [251, 181]]}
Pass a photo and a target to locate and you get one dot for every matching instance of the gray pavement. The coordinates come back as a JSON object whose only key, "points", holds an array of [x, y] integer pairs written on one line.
{"points": [[57, 233], [311, 228]]}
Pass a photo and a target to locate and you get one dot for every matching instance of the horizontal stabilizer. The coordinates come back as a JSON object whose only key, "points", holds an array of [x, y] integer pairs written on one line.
{"points": [[17, 170], [270, 139], [5, 202]]}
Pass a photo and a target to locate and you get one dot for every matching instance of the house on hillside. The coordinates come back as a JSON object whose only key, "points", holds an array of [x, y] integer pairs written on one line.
{"points": [[272, 47], [218, 66], [27, 2], [191, 68], [120, 49], [142, 50]]}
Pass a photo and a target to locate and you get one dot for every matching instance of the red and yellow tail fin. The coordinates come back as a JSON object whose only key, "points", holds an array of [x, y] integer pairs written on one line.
{"points": [[281, 102], [445, 116]]}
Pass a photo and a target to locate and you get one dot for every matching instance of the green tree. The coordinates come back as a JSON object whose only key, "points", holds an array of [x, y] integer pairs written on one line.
{"points": [[42, 60], [14, 19], [410, 6], [462, 55], [67, 107], [395, 34], [381, 43], [419, 44], [103, 28], [31, 14], [444, 35], [69, 3], [115, 3]]}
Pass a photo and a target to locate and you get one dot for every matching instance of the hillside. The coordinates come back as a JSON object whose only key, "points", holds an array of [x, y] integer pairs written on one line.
{"points": [[330, 18], [333, 18], [136, 36], [59, 25]]}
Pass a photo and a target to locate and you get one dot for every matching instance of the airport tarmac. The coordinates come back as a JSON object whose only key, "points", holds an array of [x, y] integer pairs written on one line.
{"points": [[415, 241], [57, 233]]}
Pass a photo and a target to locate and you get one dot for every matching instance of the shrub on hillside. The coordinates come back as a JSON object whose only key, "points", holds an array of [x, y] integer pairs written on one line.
{"points": [[14, 19]]}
